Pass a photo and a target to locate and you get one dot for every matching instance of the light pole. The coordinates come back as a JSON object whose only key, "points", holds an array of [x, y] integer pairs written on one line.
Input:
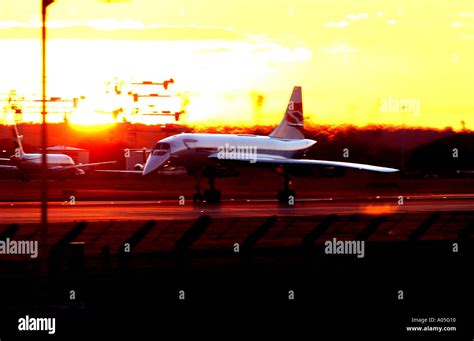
{"points": [[44, 131]]}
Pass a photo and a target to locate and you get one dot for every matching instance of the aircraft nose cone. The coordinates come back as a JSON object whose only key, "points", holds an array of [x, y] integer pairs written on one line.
{"points": [[156, 159]]}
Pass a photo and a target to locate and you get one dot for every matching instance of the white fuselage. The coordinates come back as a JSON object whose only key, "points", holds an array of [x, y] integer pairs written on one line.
{"points": [[194, 150], [33, 161]]}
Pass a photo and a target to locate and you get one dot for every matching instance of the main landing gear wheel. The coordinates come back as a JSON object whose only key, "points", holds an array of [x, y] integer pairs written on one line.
{"points": [[212, 195], [198, 197]]}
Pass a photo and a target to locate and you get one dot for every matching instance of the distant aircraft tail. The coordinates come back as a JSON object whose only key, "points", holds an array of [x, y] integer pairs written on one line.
{"points": [[18, 138], [291, 126]]}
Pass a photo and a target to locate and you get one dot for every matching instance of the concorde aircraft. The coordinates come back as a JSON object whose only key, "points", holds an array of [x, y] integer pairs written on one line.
{"points": [[220, 155], [28, 165]]}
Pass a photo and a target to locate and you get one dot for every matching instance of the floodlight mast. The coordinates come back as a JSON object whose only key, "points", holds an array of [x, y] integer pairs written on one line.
{"points": [[44, 131]]}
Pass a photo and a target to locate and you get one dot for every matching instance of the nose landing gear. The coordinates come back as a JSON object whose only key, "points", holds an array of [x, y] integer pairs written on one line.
{"points": [[210, 196]]}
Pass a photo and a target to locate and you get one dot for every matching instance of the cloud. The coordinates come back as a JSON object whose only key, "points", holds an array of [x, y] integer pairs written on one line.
{"points": [[114, 24], [60, 24], [466, 14], [337, 24], [102, 24], [340, 48], [456, 24], [358, 16], [392, 22], [10, 24]]}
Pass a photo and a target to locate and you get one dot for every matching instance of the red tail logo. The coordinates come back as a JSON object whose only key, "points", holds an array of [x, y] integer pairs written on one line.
{"points": [[294, 113]]}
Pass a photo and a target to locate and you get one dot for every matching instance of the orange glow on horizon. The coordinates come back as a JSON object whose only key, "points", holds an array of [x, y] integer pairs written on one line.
{"points": [[92, 127]]}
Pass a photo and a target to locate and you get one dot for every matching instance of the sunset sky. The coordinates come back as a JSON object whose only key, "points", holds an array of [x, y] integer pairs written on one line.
{"points": [[359, 62]]}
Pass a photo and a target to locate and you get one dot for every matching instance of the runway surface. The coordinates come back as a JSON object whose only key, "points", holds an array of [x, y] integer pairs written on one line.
{"points": [[29, 212]]}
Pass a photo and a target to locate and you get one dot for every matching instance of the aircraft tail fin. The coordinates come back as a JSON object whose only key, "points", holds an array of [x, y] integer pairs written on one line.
{"points": [[291, 126]]}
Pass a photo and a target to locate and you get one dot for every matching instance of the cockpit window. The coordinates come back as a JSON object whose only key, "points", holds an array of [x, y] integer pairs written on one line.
{"points": [[162, 146]]}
